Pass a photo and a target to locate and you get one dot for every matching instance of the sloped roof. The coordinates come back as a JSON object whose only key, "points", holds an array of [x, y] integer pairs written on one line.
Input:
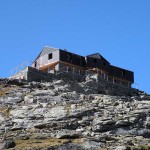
{"points": [[46, 50], [98, 56]]}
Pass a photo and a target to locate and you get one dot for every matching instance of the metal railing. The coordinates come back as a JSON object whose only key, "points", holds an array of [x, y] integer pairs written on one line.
{"points": [[20, 68]]}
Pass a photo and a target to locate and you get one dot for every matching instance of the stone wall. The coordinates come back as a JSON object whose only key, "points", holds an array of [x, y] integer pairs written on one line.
{"points": [[93, 83], [32, 74], [38, 75], [102, 86]]}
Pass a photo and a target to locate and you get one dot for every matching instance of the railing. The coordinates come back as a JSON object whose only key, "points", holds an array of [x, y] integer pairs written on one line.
{"points": [[20, 68]]}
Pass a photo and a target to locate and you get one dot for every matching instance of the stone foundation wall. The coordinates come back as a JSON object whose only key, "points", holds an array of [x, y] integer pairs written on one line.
{"points": [[38, 75], [102, 86], [32, 74], [93, 83]]}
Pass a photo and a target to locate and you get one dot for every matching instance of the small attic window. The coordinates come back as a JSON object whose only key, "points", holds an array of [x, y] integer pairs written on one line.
{"points": [[50, 56], [35, 64], [95, 61]]}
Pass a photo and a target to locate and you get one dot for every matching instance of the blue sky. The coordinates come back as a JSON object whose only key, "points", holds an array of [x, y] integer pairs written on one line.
{"points": [[119, 30]]}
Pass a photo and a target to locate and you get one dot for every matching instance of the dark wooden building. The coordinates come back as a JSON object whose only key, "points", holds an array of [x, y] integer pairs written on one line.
{"points": [[55, 60]]}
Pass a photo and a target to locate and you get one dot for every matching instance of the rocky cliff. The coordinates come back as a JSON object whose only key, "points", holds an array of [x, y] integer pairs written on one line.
{"points": [[64, 114]]}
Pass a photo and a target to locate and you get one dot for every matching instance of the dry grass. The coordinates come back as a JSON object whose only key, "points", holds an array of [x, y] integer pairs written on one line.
{"points": [[78, 141], [39, 143], [140, 147], [5, 111], [4, 91], [44, 143]]}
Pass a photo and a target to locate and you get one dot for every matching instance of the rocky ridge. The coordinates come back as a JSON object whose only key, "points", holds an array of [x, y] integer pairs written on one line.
{"points": [[64, 114]]}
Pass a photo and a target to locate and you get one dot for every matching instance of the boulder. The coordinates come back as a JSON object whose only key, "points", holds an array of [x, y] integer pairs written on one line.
{"points": [[29, 99], [123, 123], [67, 134], [9, 144]]}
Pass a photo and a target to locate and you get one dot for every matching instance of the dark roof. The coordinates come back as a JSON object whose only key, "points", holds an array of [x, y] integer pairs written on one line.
{"points": [[97, 56], [120, 68], [70, 52]]}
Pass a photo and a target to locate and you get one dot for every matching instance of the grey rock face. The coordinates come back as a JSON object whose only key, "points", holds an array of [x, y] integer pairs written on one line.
{"points": [[64, 109], [100, 125], [1, 118], [56, 113]]}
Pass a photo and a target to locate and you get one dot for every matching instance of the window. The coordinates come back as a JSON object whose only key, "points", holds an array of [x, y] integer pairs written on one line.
{"points": [[69, 57], [104, 63], [50, 56], [35, 64], [78, 61], [69, 69], [95, 61], [115, 81], [122, 72]]}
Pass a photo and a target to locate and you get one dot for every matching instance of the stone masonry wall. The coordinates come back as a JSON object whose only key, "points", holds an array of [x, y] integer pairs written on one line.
{"points": [[38, 75], [105, 87], [32, 74], [92, 83]]}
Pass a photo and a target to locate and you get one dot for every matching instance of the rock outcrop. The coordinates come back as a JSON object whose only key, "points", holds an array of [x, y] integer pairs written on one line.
{"points": [[63, 114]]}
